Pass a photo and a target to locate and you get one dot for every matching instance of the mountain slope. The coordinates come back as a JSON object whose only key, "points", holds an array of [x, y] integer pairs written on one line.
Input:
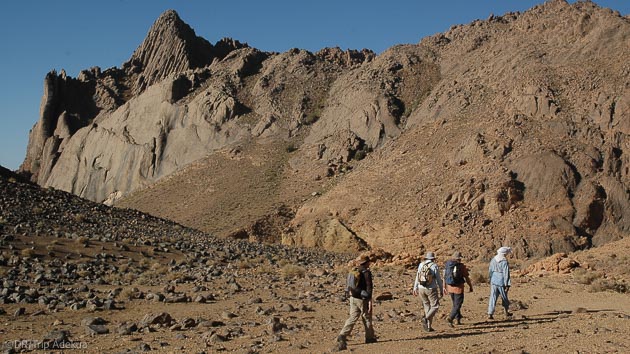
{"points": [[510, 130], [524, 132]]}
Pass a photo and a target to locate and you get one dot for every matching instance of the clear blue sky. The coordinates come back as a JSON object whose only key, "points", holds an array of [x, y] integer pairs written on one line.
{"points": [[38, 36]]}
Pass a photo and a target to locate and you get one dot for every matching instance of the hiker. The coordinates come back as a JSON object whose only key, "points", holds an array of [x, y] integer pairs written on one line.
{"points": [[360, 304], [455, 277], [428, 285], [499, 275]]}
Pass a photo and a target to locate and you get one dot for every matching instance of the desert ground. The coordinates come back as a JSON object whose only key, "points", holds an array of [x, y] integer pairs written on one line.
{"points": [[275, 311]]}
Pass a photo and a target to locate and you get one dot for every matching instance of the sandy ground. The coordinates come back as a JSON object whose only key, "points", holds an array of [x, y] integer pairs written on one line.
{"points": [[551, 314]]}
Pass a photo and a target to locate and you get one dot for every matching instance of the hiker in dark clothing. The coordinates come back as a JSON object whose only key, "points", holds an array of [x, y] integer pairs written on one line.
{"points": [[360, 305], [455, 277]]}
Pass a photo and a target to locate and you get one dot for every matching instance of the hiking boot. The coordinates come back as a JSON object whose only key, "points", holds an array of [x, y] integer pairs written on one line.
{"points": [[450, 322], [370, 340], [490, 317], [425, 324], [459, 321], [507, 313], [341, 343]]}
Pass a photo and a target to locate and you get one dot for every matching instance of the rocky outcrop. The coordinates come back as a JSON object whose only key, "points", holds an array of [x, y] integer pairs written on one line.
{"points": [[92, 137], [513, 144], [510, 130], [170, 47]]}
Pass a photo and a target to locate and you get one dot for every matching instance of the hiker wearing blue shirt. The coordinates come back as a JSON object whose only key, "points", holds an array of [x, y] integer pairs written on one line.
{"points": [[428, 285], [499, 275]]}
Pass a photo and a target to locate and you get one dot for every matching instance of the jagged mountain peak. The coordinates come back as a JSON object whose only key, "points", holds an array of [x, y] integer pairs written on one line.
{"points": [[172, 46]]}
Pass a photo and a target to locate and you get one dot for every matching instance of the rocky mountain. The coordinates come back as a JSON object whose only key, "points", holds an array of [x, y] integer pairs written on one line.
{"points": [[81, 275], [510, 130]]}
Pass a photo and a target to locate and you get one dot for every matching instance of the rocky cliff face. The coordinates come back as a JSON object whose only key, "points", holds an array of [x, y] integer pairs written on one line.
{"points": [[512, 130]]}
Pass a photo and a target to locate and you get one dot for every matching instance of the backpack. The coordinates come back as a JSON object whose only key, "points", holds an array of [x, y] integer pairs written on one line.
{"points": [[425, 274], [453, 273], [352, 281]]}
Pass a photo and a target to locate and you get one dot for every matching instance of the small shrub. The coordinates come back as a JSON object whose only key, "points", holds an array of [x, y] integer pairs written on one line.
{"points": [[83, 241], [130, 277], [603, 284], [145, 263], [244, 265], [583, 276], [292, 271], [37, 210], [128, 293], [264, 269], [283, 262], [2, 220], [311, 118], [172, 276], [79, 218], [83, 273], [27, 252], [478, 278], [112, 278], [360, 155]]}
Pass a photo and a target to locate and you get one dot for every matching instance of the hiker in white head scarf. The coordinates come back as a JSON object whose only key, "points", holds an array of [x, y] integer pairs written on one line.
{"points": [[499, 275]]}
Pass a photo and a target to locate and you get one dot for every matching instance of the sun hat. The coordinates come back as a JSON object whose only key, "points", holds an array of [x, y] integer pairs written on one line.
{"points": [[429, 255], [457, 255], [363, 259]]}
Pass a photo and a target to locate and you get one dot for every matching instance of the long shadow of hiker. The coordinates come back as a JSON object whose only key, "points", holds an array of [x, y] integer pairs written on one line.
{"points": [[432, 336], [489, 326], [509, 323]]}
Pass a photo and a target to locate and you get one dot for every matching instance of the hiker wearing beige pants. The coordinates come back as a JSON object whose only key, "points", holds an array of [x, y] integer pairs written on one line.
{"points": [[360, 303]]}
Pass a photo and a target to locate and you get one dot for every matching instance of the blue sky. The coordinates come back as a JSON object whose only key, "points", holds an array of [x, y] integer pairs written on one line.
{"points": [[38, 36]]}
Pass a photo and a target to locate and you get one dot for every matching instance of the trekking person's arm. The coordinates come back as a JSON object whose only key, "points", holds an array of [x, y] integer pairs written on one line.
{"points": [[469, 282], [438, 280], [467, 278], [506, 275], [368, 284], [445, 290], [416, 283]]}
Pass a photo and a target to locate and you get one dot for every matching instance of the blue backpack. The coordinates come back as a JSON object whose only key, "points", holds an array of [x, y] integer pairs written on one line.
{"points": [[453, 273]]}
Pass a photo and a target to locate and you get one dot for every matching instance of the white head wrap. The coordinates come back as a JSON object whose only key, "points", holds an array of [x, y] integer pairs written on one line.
{"points": [[504, 250]]}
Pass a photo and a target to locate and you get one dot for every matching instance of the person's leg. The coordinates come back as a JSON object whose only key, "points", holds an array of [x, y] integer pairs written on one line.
{"points": [[505, 301], [366, 316], [492, 301], [355, 313], [453, 313], [459, 310], [458, 300], [426, 304], [435, 305]]}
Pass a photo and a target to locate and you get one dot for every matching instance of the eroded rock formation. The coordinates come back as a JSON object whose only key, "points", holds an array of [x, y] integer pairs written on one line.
{"points": [[510, 130]]}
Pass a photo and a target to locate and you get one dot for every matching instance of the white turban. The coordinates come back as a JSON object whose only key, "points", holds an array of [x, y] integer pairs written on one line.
{"points": [[504, 250]]}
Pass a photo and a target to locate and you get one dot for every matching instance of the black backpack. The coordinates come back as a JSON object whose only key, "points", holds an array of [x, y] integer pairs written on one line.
{"points": [[453, 274]]}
